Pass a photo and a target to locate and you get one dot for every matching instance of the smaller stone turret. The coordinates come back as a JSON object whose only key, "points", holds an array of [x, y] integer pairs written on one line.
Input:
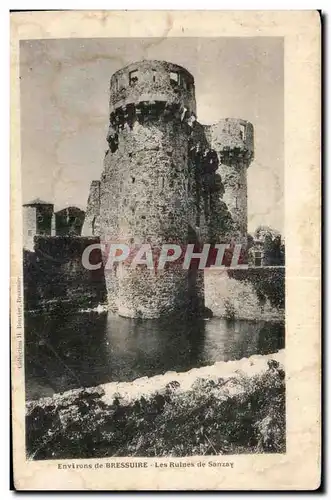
{"points": [[233, 140]]}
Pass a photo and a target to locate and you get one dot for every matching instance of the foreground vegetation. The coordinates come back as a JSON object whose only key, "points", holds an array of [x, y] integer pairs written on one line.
{"points": [[238, 414]]}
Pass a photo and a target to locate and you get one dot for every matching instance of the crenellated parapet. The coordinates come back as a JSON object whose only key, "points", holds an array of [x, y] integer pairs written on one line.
{"points": [[152, 81], [149, 91], [233, 139]]}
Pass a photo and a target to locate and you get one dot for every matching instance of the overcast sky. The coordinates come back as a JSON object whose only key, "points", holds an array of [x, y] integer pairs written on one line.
{"points": [[64, 109]]}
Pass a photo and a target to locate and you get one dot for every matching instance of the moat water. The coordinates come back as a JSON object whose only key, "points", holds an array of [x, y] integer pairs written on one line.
{"points": [[87, 349]]}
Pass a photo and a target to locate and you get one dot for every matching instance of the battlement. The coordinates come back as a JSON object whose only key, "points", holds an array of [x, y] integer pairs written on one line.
{"points": [[233, 139], [145, 111], [151, 82]]}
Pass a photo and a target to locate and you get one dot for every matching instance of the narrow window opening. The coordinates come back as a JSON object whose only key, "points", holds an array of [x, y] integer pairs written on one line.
{"points": [[154, 75], [243, 132], [258, 258], [133, 77], [174, 77], [133, 180]]}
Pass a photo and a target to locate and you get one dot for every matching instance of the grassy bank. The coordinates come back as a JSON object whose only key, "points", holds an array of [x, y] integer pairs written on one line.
{"points": [[238, 413]]}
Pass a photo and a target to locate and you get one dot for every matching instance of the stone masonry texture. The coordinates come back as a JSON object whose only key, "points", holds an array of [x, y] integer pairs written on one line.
{"points": [[166, 179]]}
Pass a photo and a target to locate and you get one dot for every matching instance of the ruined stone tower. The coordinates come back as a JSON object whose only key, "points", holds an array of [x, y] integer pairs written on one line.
{"points": [[147, 188], [232, 139], [162, 183]]}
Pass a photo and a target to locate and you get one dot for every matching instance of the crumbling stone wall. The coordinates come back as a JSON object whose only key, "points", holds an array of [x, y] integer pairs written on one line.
{"points": [[233, 140], [55, 278], [69, 221], [213, 219], [253, 294], [91, 221]]}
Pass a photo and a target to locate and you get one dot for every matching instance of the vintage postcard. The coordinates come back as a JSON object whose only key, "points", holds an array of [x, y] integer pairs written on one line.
{"points": [[165, 250]]}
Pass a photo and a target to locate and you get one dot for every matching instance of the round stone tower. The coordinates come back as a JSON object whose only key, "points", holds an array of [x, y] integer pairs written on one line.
{"points": [[233, 140], [146, 196]]}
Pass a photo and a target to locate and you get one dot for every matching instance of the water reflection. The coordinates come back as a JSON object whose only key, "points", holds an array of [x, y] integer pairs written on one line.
{"points": [[86, 349]]}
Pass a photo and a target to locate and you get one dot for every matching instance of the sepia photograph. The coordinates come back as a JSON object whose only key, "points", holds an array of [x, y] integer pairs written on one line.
{"points": [[153, 250], [137, 175]]}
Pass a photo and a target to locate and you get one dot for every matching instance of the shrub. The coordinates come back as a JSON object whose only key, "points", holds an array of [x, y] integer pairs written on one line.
{"points": [[240, 414]]}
